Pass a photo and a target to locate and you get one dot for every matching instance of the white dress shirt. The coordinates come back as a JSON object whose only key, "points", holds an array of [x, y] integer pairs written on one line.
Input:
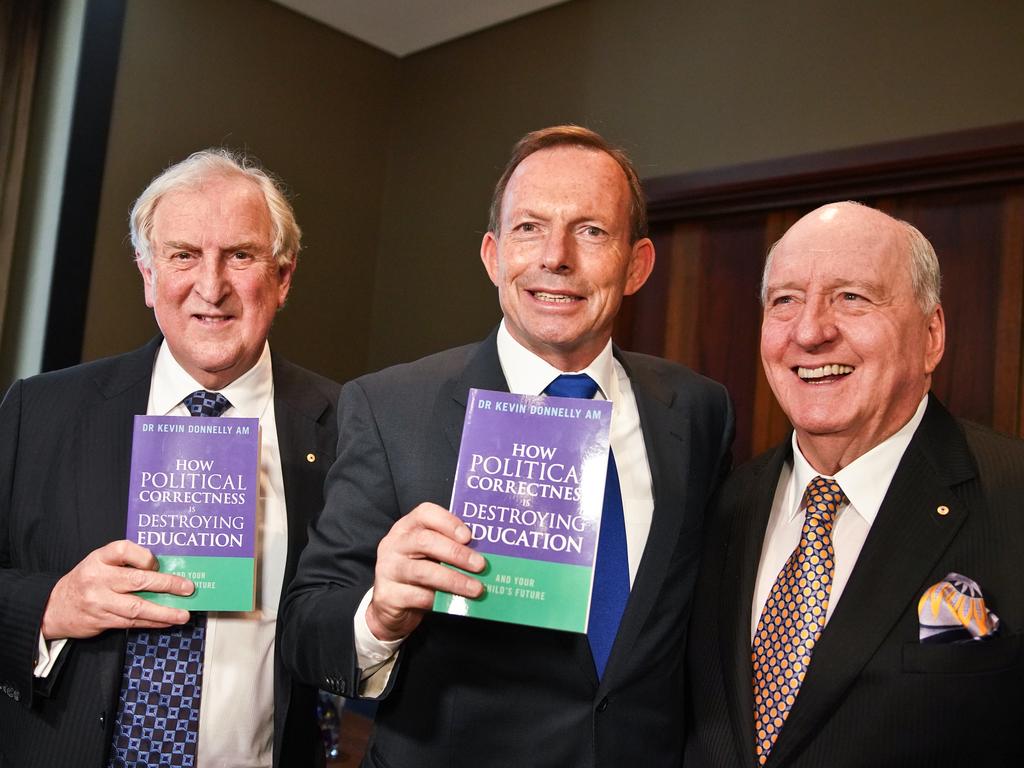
{"points": [[528, 374], [865, 481]]}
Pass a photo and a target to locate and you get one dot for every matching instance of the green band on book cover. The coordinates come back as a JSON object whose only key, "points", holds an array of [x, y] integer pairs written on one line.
{"points": [[524, 591], [222, 583]]}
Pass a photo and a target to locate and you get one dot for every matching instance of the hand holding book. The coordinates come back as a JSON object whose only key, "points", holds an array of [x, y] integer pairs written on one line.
{"points": [[96, 595], [409, 569]]}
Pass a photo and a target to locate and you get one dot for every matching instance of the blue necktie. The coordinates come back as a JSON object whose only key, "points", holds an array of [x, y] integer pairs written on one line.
{"points": [[158, 710], [611, 571]]}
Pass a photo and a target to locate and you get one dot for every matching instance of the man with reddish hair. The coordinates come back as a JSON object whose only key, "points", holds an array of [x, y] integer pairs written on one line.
{"points": [[566, 241]]}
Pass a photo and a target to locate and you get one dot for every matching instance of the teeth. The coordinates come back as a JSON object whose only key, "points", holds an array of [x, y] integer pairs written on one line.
{"points": [[825, 370], [553, 297]]}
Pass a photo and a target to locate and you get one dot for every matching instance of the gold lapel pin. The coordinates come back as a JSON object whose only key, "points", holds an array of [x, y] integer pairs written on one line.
{"points": [[310, 457], [942, 510]]}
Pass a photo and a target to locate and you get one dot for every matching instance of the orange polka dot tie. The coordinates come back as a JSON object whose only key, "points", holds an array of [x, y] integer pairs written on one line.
{"points": [[794, 615]]}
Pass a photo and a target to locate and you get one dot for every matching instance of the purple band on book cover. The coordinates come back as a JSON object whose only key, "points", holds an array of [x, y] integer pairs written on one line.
{"points": [[529, 469], [194, 484]]}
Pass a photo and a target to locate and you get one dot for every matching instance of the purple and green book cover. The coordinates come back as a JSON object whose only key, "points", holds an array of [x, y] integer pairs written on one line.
{"points": [[192, 502], [530, 486]]}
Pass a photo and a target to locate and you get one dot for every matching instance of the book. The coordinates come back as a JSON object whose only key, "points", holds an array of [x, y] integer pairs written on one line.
{"points": [[192, 502], [530, 486]]}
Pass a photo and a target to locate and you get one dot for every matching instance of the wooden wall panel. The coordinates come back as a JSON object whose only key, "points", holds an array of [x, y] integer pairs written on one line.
{"points": [[964, 192]]}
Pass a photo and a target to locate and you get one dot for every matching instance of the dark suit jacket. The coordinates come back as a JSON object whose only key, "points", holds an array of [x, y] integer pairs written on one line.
{"points": [[468, 692], [65, 452], [873, 695]]}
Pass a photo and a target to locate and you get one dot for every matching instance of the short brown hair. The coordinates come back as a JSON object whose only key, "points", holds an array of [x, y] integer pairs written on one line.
{"points": [[572, 136]]}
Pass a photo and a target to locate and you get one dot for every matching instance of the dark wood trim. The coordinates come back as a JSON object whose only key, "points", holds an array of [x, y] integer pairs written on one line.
{"points": [[946, 161], [83, 182]]}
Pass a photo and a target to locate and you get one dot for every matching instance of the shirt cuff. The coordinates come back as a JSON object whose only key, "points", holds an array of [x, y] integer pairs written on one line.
{"points": [[376, 658], [46, 655]]}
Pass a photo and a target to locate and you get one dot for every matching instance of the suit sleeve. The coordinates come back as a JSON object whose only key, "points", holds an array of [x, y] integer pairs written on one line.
{"points": [[23, 593], [337, 566]]}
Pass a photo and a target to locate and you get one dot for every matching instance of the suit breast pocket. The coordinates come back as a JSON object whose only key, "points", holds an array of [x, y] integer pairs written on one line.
{"points": [[971, 658]]}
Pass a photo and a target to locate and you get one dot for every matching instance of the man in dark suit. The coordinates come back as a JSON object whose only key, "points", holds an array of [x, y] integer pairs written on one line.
{"points": [[216, 243], [901, 642], [566, 241]]}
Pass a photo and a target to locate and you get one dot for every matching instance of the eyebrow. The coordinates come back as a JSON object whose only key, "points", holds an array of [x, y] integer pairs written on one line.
{"points": [[529, 213], [833, 285], [182, 245]]}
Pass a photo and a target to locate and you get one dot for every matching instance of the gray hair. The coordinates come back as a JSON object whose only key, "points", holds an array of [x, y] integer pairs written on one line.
{"points": [[216, 163], [925, 275]]}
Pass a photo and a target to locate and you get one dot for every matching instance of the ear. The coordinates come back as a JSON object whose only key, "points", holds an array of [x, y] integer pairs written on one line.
{"points": [[936, 339], [284, 277], [489, 256], [148, 280], [640, 265]]}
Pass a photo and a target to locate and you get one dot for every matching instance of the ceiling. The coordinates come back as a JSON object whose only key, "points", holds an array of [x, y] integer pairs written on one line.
{"points": [[402, 27]]}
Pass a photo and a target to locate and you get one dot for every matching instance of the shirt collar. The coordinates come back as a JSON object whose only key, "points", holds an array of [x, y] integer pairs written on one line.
{"points": [[529, 374], [249, 394], [865, 480]]}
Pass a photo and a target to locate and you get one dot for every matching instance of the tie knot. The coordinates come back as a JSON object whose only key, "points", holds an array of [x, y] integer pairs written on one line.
{"points": [[572, 385], [823, 498], [203, 403]]}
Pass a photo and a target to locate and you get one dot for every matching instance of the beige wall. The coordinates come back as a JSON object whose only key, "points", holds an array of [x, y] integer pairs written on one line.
{"points": [[394, 160], [312, 104], [683, 86]]}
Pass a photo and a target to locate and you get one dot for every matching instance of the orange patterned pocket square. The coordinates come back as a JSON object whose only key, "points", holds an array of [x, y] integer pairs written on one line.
{"points": [[954, 611]]}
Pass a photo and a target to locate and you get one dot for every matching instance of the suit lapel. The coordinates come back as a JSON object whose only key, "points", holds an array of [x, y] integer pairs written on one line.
{"points": [[893, 569], [664, 422], [482, 371], [307, 451], [103, 444], [739, 574]]}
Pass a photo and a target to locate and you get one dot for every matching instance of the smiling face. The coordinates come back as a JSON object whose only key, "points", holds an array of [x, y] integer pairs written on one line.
{"points": [[562, 260], [214, 285], [845, 344]]}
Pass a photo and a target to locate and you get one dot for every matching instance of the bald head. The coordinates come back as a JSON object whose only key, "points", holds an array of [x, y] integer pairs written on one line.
{"points": [[858, 226]]}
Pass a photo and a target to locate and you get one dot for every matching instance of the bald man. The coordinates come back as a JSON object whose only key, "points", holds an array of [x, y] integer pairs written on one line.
{"points": [[860, 602]]}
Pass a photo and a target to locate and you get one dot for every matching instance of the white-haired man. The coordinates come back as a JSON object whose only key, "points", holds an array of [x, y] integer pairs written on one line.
{"points": [[846, 611], [216, 243]]}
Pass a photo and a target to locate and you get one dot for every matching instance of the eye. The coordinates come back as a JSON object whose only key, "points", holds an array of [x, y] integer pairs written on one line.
{"points": [[783, 299], [851, 296], [526, 226], [591, 230]]}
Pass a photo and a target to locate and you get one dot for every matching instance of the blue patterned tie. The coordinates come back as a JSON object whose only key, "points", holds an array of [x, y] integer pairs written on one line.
{"points": [[158, 711], [611, 571]]}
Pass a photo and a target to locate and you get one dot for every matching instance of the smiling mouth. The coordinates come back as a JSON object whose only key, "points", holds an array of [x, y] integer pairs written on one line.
{"points": [[831, 372], [554, 298], [212, 319]]}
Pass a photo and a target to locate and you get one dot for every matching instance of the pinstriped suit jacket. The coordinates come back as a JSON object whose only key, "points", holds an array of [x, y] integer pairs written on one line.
{"points": [[873, 695], [65, 451]]}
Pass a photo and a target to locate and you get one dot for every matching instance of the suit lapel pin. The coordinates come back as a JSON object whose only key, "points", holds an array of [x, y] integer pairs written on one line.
{"points": [[311, 457], [942, 510]]}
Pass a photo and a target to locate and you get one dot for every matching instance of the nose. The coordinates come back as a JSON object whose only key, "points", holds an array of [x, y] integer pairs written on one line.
{"points": [[211, 283], [815, 325], [558, 253]]}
